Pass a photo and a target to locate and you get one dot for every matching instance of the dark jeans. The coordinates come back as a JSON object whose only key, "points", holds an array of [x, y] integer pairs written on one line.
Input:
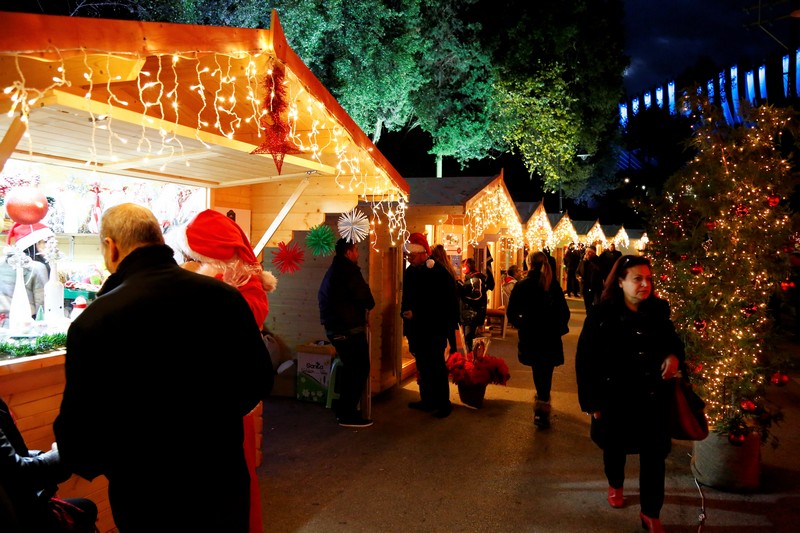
{"points": [[471, 328], [542, 380], [434, 386], [652, 471], [352, 376]]}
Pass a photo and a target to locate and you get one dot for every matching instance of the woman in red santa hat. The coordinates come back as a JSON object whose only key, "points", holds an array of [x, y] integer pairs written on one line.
{"points": [[215, 245], [27, 238]]}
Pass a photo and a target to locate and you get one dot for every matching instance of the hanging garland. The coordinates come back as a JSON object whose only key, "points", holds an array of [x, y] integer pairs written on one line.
{"points": [[42, 344], [276, 129]]}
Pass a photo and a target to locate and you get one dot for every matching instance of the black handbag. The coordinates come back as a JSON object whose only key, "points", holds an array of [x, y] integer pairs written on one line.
{"points": [[688, 416]]}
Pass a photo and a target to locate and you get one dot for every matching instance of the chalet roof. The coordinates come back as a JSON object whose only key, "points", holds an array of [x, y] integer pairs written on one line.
{"points": [[554, 218], [610, 230], [179, 103], [582, 227], [446, 191], [526, 210], [635, 233]]}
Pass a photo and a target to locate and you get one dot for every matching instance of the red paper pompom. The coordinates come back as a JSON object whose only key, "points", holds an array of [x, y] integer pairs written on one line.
{"points": [[288, 258]]}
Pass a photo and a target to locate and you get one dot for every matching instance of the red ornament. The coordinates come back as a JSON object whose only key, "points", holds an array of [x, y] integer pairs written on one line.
{"points": [[288, 258], [742, 210], [663, 277], [749, 310], [736, 438], [696, 269], [787, 285], [26, 205], [748, 405], [773, 200], [711, 225], [700, 325], [684, 257], [697, 368], [779, 378]]}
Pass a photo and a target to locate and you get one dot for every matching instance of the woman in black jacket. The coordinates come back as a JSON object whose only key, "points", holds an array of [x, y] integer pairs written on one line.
{"points": [[539, 311], [627, 351]]}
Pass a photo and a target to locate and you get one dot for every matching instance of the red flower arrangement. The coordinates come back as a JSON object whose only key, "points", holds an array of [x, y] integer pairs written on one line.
{"points": [[477, 367]]}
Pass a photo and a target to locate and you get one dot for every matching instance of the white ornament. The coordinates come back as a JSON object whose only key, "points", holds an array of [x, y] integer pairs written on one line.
{"points": [[353, 226], [19, 313]]}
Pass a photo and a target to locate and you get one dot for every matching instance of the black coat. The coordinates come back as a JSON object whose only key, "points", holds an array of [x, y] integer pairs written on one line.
{"points": [[541, 318], [344, 297], [618, 368], [28, 478], [430, 294], [160, 370]]}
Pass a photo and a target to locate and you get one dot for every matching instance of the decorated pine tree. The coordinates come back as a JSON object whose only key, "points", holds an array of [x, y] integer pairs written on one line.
{"points": [[720, 237]]}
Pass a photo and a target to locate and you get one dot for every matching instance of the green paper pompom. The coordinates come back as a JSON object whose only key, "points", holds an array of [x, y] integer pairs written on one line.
{"points": [[321, 240]]}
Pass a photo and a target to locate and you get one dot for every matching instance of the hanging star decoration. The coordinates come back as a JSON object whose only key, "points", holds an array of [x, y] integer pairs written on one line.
{"points": [[276, 129], [51, 253], [321, 240], [353, 226], [288, 258]]}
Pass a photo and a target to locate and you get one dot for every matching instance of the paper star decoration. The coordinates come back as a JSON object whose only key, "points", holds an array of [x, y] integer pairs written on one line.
{"points": [[321, 240], [288, 258], [353, 226]]}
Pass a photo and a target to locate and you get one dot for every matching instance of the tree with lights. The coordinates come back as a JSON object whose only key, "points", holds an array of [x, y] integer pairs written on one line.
{"points": [[720, 241]]}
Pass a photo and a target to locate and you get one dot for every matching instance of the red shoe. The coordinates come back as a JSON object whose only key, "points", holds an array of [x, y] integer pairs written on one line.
{"points": [[653, 525], [615, 498]]}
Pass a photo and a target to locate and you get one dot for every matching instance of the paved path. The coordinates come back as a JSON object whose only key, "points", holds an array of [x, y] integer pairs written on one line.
{"points": [[489, 470]]}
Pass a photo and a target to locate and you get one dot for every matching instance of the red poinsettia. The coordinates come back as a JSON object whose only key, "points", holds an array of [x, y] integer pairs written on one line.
{"points": [[477, 367]]}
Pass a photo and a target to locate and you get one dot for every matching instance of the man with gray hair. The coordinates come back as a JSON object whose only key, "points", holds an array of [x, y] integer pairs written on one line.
{"points": [[160, 370]]}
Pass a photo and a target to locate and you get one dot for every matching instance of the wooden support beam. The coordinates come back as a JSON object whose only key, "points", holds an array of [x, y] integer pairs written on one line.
{"points": [[11, 139]]}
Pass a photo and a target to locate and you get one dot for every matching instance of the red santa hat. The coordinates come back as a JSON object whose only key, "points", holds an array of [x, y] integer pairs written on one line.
{"points": [[25, 235], [418, 243], [211, 237]]}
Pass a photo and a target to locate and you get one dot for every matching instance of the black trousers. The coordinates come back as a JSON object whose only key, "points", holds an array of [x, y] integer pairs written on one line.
{"points": [[434, 386], [542, 380], [652, 472], [352, 376]]}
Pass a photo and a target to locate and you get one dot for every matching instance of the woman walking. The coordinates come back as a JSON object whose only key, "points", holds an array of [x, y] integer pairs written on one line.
{"points": [[539, 311], [627, 351]]}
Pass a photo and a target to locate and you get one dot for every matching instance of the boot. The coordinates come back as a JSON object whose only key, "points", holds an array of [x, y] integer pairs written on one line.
{"points": [[541, 414]]}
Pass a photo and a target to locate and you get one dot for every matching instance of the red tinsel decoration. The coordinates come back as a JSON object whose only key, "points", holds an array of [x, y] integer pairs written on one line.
{"points": [[288, 258], [696, 269], [276, 129]]}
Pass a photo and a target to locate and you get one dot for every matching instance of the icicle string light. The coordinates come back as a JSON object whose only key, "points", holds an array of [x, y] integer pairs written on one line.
{"points": [[222, 107]]}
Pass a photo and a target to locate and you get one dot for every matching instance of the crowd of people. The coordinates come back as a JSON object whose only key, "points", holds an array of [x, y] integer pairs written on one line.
{"points": [[627, 352]]}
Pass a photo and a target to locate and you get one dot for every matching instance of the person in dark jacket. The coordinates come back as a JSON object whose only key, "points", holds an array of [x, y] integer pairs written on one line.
{"points": [[429, 307], [539, 311], [627, 351], [474, 300], [163, 357], [591, 278], [345, 300], [29, 480]]}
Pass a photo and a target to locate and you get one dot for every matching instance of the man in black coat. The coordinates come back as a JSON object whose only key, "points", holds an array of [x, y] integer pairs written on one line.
{"points": [[344, 301], [429, 309], [160, 370]]}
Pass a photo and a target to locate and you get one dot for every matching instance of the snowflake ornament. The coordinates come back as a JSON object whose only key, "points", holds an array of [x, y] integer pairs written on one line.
{"points": [[321, 240], [288, 258], [353, 226], [51, 253]]}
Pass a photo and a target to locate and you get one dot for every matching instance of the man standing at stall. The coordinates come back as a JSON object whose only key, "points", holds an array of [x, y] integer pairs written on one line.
{"points": [[344, 301], [429, 309], [160, 370]]}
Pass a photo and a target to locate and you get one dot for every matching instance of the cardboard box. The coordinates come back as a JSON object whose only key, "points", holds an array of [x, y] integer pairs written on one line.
{"points": [[313, 371]]}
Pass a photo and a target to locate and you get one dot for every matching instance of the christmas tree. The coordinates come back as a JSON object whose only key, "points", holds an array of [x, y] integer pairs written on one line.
{"points": [[720, 238]]}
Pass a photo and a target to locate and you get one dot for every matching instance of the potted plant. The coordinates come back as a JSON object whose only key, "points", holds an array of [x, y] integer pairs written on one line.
{"points": [[473, 371]]}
